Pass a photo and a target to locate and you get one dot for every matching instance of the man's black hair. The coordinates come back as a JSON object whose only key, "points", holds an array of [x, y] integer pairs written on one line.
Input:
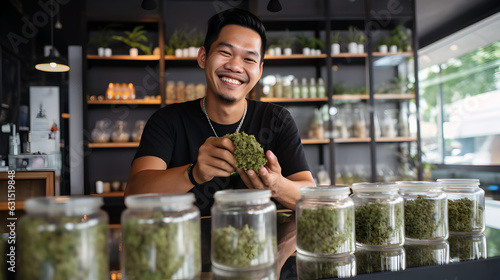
{"points": [[234, 16]]}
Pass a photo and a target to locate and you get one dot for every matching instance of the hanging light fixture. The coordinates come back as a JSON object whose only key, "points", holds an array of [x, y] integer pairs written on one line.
{"points": [[274, 6], [52, 63]]}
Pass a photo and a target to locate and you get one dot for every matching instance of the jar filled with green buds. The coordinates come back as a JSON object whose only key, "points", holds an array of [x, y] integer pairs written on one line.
{"points": [[428, 253], [379, 219], [467, 247], [161, 237], [426, 213], [243, 229], [325, 221], [63, 238], [321, 267], [465, 205]]}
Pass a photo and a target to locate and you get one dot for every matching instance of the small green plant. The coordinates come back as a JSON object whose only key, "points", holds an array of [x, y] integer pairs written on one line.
{"points": [[401, 37], [103, 39], [194, 38], [353, 34], [286, 40], [306, 41], [135, 39], [179, 40], [361, 38], [384, 40], [335, 37]]}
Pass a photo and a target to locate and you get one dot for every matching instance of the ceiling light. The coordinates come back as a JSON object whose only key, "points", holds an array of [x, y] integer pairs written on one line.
{"points": [[274, 6], [52, 63]]}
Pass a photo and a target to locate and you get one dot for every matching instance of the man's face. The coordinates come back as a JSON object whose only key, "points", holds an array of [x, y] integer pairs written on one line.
{"points": [[232, 66]]}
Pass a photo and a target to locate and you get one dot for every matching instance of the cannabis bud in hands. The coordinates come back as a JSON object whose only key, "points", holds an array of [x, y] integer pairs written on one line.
{"points": [[249, 154]]}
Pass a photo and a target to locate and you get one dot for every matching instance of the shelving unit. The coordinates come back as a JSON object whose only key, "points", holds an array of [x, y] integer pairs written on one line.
{"points": [[318, 23]]}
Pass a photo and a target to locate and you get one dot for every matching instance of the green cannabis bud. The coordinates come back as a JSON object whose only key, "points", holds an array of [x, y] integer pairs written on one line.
{"points": [[237, 247], [249, 154], [423, 217], [379, 224], [463, 216], [156, 249], [70, 249], [326, 230]]}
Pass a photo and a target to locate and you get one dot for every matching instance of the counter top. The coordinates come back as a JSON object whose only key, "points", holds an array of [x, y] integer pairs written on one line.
{"points": [[460, 257]]}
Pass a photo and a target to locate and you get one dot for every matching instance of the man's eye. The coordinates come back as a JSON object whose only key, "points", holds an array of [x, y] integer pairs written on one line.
{"points": [[250, 59], [225, 53]]}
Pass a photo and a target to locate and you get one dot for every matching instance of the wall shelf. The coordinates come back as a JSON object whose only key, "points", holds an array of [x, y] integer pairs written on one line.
{"points": [[110, 194], [114, 145], [378, 140], [124, 57], [380, 96], [315, 141], [292, 100], [294, 56], [130, 102]]}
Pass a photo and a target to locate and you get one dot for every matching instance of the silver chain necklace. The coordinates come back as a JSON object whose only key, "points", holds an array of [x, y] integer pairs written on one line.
{"points": [[210, 123]]}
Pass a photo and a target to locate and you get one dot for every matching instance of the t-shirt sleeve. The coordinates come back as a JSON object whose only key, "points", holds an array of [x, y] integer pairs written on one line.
{"points": [[157, 138], [288, 148]]}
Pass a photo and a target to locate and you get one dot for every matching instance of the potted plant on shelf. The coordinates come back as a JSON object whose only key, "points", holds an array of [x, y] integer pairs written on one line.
{"points": [[361, 43], [402, 35], [316, 46], [133, 39], [306, 43], [335, 42], [352, 38], [103, 39], [393, 44], [382, 44], [194, 40], [286, 42]]}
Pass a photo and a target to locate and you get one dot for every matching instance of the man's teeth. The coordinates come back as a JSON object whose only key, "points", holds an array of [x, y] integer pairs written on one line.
{"points": [[231, 81]]}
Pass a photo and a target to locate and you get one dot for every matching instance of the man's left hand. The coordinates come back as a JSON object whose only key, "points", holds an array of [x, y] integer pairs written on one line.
{"points": [[270, 175]]}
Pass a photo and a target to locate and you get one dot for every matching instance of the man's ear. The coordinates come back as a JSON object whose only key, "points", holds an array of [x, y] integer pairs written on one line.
{"points": [[202, 57]]}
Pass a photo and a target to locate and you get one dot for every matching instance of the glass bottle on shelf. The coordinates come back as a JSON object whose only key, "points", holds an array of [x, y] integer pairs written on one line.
{"points": [[388, 125], [287, 88], [131, 93], [296, 88], [278, 87], [137, 132], [170, 89], [180, 91], [321, 88], [304, 90], [376, 125], [404, 130], [313, 91], [360, 123], [100, 133], [120, 133], [110, 91]]}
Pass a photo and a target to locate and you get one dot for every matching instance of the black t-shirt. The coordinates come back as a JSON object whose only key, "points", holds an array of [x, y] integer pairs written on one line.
{"points": [[175, 132]]}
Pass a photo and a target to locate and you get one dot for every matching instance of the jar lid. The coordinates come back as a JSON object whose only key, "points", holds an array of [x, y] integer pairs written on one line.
{"points": [[239, 195], [418, 185], [67, 205], [165, 201], [459, 181], [324, 191], [374, 187]]}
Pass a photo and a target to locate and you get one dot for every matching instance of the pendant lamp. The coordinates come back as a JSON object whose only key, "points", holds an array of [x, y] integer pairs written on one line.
{"points": [[52, 63]]}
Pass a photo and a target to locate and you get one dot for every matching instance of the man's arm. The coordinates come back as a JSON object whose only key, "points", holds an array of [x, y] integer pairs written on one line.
{"points": [[284, 190], [149, 174]]}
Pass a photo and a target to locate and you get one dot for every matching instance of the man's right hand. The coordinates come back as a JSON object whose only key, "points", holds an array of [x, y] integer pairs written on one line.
{"points": [[215, 159]]}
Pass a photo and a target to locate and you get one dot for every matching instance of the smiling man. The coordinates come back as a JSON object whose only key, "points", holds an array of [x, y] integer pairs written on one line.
{"points": [[182, 148]]}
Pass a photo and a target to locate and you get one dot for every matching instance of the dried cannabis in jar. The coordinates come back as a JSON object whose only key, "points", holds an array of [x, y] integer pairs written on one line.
{"points": [[326, 230], [419, 255], [237, 248], [71, 249], [467, 247], [463, 216], [370, 261], [376, 225], [156, 249], [423, 217], [249, 154]]}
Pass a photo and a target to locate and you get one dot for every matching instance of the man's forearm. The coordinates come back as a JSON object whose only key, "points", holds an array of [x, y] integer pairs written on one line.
{"points": [[289, 192], [172, 180]]}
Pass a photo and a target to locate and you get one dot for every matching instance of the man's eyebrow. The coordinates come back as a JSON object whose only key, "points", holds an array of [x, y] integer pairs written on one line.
{"points": [[253, 53]]}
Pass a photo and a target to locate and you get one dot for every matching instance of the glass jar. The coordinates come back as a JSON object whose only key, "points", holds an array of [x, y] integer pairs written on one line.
{"points": [[267, 273], [161, 237], [138, 129], [100, 133], [373, 259], [426, 212], [309, 267], [325, 221], [465, 205], [429, 253], [467, 247], [243, 229], [63, 238], [379, 219], [120, 132]]}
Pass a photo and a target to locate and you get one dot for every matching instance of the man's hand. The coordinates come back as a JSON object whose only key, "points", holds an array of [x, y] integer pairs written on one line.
{"points": [[270, 175], [215, 159]]}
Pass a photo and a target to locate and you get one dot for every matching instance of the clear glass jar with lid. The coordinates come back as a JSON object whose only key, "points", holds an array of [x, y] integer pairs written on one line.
{"points": [[467, 247], [63, 238], [161, 237], [426, 212], [378, 259], [309, 267], [325, 221], [465, 205], [428, 253], [243, 229], [379, 219]]}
